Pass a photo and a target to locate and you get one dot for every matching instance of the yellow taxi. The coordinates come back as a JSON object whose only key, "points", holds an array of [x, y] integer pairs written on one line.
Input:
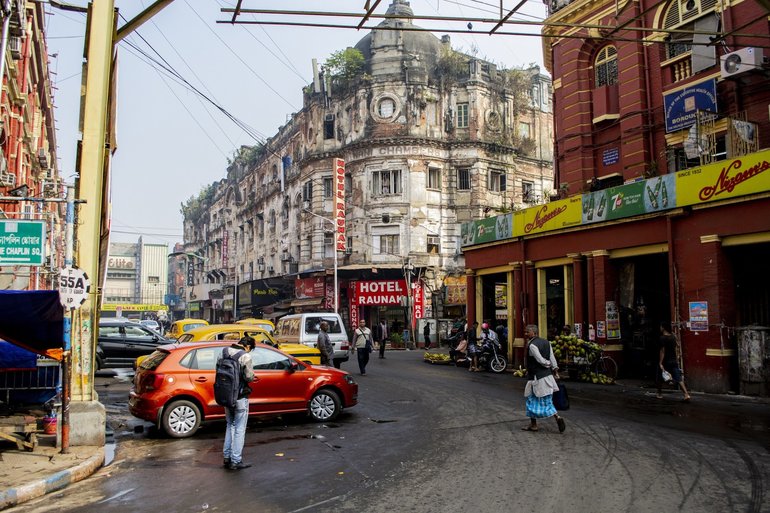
{"points": [[184, 325], [262, 323], [235, 332]]}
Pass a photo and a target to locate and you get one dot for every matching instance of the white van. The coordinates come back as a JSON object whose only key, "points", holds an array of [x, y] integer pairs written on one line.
{"points": [[303, 329]]}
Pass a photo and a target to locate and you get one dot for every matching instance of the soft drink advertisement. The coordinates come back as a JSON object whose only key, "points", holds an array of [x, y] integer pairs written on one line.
{"points": [[629, 200]]}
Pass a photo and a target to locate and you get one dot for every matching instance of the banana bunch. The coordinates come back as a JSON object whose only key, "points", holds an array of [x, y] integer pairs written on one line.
{"points": [[520, 372], [436, 357], [565, 346], [595, 377]]}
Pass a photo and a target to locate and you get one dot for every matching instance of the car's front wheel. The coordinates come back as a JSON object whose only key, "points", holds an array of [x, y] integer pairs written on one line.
{"points": [[325, 405], [181, 419]]}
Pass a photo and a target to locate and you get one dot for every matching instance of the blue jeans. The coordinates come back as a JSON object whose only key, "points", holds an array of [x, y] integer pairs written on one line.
{"points": [[235, 435]]}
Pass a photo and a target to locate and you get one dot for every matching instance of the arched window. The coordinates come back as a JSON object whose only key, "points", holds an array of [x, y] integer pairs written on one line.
{"points": [[606, 66]]}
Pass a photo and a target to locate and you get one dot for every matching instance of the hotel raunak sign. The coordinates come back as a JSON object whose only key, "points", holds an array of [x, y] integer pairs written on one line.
{"points": [[749, 174]]}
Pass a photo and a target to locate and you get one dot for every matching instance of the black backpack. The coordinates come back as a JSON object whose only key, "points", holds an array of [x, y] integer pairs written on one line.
{"points": [[227, 383]]}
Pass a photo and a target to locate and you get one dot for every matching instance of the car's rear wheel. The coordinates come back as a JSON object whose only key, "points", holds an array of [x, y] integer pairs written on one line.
{"points": [[325, 405], [181, 419]]}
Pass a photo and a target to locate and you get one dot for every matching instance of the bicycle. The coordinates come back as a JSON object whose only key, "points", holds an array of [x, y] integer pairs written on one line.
{"points": [[605, 365]]}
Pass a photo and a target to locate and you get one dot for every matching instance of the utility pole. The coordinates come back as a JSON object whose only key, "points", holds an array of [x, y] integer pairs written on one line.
{"points": [[92, 237]]}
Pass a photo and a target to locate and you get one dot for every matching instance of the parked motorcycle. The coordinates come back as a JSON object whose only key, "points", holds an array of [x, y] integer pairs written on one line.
{"points": [[490, 357]]}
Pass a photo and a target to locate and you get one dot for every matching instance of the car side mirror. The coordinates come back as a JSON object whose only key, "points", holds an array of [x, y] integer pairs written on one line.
{"points": [[293, 367]]}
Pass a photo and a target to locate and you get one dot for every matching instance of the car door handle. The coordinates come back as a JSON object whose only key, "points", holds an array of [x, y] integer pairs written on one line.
{"points": [[201, 380]]}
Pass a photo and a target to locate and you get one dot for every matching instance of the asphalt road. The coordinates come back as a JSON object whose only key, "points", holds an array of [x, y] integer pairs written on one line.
{"points": [[431, 438]]}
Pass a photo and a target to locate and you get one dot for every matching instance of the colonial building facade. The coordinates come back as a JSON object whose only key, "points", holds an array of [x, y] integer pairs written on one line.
{"points": [[660, 144], [28, 167], [430, 138]]}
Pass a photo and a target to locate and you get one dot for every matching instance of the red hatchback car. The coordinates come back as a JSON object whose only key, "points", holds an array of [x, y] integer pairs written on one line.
{"points": [[174, 387]]}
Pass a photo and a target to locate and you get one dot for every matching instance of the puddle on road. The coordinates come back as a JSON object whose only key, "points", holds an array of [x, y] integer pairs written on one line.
{"points": [[382, 421], [109, 454]]}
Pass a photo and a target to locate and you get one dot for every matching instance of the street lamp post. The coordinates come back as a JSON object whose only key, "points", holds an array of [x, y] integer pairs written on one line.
{"points": [[306, 208]]}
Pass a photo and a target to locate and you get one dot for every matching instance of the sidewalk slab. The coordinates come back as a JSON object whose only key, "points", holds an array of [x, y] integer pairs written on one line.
{"points": [[26, 475]]}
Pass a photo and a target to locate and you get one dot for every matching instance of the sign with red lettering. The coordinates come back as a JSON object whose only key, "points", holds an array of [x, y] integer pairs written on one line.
{"points": [[378, 292], [340, 241], [418, 298], [224, 249], [353, 304]]}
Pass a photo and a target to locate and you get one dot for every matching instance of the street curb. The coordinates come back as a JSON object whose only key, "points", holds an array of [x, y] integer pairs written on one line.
{"points": [[59, 480]]}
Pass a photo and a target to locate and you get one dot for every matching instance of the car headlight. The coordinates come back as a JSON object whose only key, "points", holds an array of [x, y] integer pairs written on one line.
{"points": [[349, 379]]}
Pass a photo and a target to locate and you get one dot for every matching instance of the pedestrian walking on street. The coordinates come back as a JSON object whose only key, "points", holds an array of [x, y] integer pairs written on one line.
{"points": [[362, 341], [426, 334], [542, 371], [324, 344], [668, 362], [382, 336], [237, 415]]}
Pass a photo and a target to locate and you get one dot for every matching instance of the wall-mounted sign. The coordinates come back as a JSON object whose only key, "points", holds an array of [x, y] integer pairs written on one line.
{"points": [[610, 156], [22, 242], [681, 106], [378, 292], [310, 287], [418, 298], [699, 315], [121, 262], [74, 287]]}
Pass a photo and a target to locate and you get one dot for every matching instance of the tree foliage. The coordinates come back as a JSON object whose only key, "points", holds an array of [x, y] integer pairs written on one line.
{"points": [[345, 64], [195, 206]]}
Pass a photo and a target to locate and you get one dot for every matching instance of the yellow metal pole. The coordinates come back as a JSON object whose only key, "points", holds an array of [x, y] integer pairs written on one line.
{"points": [[93, 161]]}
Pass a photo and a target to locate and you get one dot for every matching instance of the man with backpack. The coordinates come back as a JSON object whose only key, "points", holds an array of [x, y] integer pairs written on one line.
{"points": [[231, 390]]}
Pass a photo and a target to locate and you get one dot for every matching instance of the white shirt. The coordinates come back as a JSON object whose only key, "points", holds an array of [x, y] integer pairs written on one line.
{"points": [[543, 386]]}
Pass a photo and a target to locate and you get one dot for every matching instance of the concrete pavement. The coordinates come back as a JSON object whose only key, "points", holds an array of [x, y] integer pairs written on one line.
{"points": [[27, 475]]}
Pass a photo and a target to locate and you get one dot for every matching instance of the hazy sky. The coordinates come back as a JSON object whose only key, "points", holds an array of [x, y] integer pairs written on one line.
{"points": [[172, 142]]}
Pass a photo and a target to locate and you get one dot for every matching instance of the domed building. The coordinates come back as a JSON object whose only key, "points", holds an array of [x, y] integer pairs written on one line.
{"points": [[430, 138]]}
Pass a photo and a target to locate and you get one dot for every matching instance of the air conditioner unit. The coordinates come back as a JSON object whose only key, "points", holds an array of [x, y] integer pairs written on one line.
{"points": [[14, 45], [741, 61], [285, 257], [42, 158], [7, 180]]}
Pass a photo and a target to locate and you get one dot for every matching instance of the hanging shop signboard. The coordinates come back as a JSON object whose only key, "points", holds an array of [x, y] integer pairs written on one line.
{"points": [[378, 292], [551, 216], [340, 239], [681, 106], [418, 298]]}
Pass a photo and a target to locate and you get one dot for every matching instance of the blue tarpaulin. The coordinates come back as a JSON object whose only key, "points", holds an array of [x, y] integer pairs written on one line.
{"points": [[32, 319]]}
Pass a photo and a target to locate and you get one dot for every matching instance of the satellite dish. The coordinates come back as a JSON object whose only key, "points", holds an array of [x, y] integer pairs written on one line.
{"points": [[732, 63]]}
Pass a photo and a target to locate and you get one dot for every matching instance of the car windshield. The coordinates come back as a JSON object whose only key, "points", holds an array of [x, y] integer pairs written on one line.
{"points": [[188, 327], [185, 338]]}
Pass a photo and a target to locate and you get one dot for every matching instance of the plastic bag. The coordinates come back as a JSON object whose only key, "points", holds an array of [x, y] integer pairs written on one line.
{"points": [[667, 378]]}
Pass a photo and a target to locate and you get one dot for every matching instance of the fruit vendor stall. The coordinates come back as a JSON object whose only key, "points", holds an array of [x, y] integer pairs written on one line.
{"points": [[583, 360]]}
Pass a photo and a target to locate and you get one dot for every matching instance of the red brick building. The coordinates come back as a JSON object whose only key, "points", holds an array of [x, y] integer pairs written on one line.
{"points": [[28, 167], [661, 118]]}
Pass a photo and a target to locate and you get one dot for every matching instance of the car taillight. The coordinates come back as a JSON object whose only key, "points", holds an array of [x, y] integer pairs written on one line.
{"points": [[345, 346], [158, 380]]}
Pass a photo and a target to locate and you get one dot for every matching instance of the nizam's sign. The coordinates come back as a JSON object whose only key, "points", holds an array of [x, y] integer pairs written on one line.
{"points": [[725, 179]]}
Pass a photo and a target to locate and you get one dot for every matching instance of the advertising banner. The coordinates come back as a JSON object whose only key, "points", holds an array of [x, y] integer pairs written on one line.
{"points": [[310, 287], [353, 304], [489, 229], [340, 240], [613, 320], [378, 292], [455, 287], [628, 200], [552, 216], [724, 179]]}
